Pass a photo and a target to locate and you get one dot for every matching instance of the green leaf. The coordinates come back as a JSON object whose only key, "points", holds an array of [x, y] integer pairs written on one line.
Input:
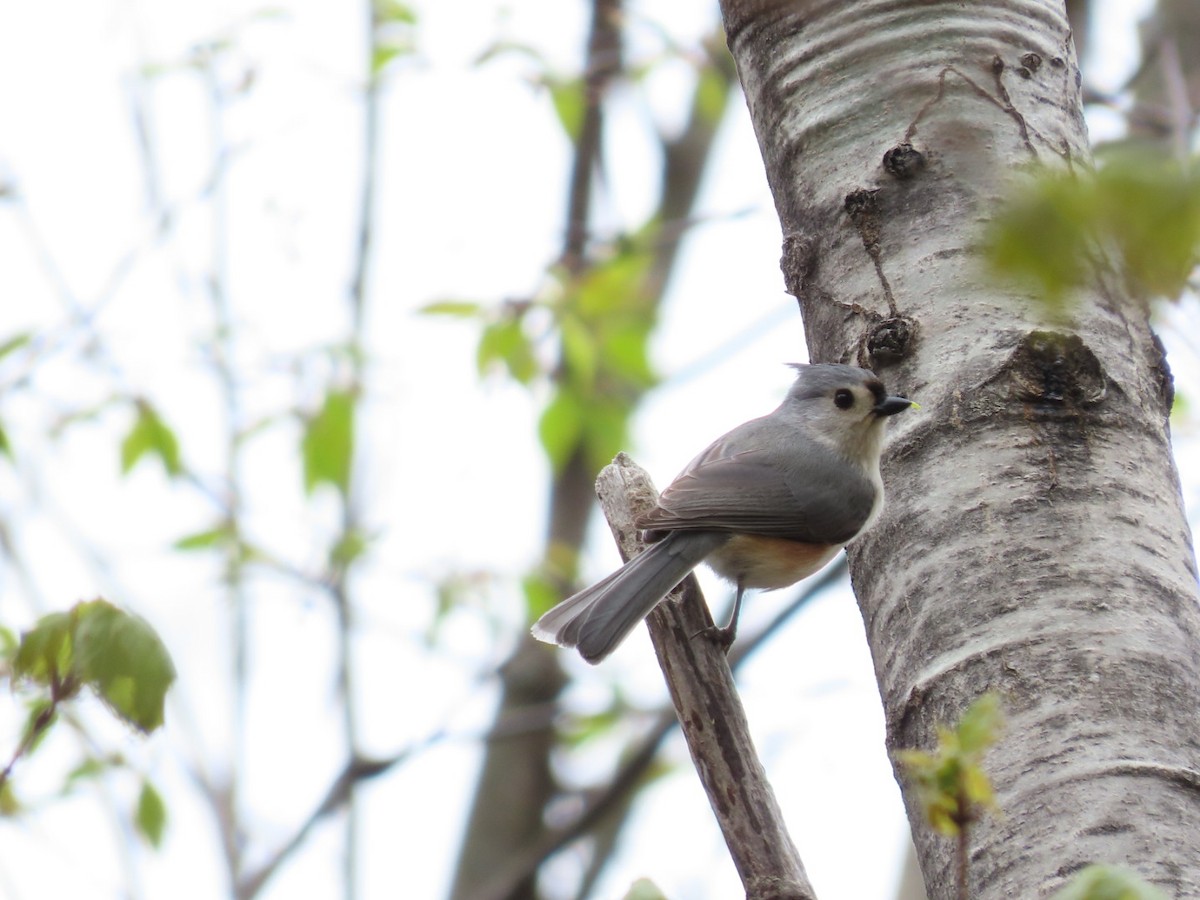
{"points": [[46, 651], [38, 721], [1151, 208], [450, 592], [8, 643], [626, 352], [977, 787], [1052, 234], [581, 354], [644, 889], [91, 767], [382, 54], [504, 47], [349, 547], [394, 11], [124, 661], [980, 724], [328, 444], [577, 730], [1041, 240], [1099, 882], [712, 93], [917, 759], [205, 540], [506, 343], [394, 34], [5, 444], [1181, 409], [150, 435], [9, 804], [461, 309], [951, 783], [16, 342], [561, 427], [544, 584], [151, 815], [616, 285], [567, 97], [540, 594], [605, 429]]}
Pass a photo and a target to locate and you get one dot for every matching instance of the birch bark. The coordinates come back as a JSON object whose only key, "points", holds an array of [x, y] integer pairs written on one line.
{"points": [[1034, 541]]}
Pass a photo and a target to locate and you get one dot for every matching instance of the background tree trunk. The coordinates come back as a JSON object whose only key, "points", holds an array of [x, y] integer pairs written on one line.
{"points": [[1034, 542], [507, 837], [1166, 88]]}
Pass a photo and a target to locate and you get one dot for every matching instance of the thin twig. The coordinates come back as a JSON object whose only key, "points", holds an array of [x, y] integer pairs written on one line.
{"points": [[603, 66], [964, 817], [1176, 89], [45, 718]]}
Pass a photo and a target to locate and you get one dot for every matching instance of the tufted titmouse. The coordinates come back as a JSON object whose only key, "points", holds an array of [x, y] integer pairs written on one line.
{"points": [[766, 505]]}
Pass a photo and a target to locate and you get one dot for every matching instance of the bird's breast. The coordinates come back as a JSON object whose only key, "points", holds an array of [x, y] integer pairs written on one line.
{"points": [[755, 561]]}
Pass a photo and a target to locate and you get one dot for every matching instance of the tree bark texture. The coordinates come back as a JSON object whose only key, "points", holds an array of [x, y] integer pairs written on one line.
{"points": [[1034, 542]]}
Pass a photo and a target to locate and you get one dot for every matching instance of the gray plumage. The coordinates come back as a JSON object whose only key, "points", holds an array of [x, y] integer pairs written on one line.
{"points": [[765, 505], [596, 627]]}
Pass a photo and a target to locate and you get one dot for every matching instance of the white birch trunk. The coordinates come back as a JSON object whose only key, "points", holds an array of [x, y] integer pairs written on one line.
{"points": [[1034, 541]]}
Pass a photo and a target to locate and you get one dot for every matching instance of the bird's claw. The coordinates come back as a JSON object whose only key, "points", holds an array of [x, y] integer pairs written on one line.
{"points": [[722, 637]]}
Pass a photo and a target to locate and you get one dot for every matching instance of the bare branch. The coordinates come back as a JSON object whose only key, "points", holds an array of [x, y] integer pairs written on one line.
{"points": [[709, 709]]}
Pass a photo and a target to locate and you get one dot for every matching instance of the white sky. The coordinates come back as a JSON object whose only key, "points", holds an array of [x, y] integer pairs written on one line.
{"points": [[457, 482]]}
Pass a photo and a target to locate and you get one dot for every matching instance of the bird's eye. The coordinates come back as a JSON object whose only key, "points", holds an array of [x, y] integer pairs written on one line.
{"points": [[843, 399]]}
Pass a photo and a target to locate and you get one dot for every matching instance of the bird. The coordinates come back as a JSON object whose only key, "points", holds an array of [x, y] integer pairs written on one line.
{"points": [[765, 505]]}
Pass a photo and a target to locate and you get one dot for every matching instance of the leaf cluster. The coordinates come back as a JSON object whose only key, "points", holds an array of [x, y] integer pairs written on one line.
{"points": [[327, 448], [1140, 209], [599, 322], [950, 782], [95, 645], [393, 34], [150, 436]]}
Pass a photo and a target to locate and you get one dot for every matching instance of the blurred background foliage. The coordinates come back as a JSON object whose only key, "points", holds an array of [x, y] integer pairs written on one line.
{"points": [[295, 294]]}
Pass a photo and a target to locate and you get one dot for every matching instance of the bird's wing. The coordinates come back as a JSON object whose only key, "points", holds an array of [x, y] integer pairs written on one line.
{"points": [[803, 493]]}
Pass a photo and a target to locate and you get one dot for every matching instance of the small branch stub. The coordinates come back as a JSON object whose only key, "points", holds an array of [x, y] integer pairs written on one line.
{"points": [[890, 341], [904, 161]]}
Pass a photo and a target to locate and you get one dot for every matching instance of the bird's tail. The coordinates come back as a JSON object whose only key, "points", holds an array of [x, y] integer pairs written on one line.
{"points": [[598, 618]]}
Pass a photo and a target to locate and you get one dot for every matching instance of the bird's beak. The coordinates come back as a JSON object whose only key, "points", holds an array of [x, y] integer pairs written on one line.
{"points": [[891, 406]]}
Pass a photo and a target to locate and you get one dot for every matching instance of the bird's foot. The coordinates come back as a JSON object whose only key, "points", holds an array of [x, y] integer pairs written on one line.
{"points": [[722, 637]]}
